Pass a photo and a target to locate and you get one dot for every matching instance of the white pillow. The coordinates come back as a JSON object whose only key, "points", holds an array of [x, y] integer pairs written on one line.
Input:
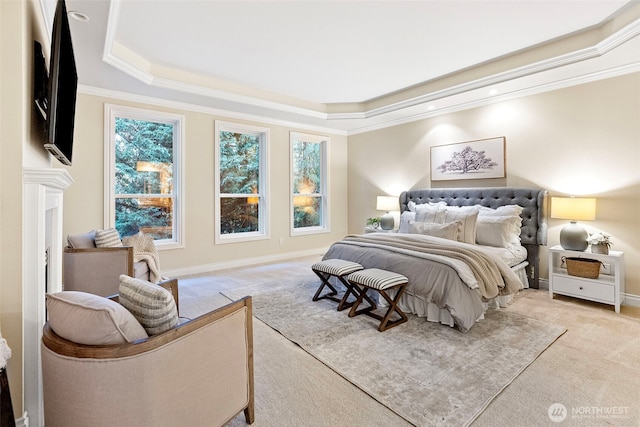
{"points": [[405, 217], [468, 216], [91, 319], [430, 213], [445, 231], [506, 210], [498, 231], [411, 205]]}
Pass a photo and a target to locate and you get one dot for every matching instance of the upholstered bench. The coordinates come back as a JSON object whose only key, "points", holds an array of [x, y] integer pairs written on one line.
{"points": [[381, 281], [339, 268]]}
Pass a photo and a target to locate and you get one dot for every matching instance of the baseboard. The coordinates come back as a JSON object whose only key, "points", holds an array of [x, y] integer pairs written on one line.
{"points": [[631, 300], [544, 284], [244, 262], [23, 421]]}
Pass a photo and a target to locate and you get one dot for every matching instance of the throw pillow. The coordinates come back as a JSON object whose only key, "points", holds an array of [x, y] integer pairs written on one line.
{"points": [[445, 231], [404, 221], [151, 304], [91, 319], [82, 241], [430, 213], [468, 217], [499, 231], [108, 238], [506, 210]]}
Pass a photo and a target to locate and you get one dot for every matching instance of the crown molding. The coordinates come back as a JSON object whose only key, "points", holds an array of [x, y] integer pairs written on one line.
{"points": [[177, 105], [138, 67]]}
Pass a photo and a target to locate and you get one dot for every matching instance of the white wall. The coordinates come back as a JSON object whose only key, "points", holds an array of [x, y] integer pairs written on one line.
{"points": [[584, 140]]}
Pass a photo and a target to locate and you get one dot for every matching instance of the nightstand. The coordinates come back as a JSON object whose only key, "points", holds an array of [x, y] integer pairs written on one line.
{"points": [[607, 288]]}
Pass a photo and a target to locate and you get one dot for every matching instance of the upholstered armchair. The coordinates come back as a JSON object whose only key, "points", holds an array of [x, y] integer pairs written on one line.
{"points": [[93, 269], [199, 373]]}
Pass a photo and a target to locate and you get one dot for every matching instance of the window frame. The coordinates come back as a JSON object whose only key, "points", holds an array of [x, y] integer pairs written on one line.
{"points": [[263, 133], [113, 111], [325, 143]]}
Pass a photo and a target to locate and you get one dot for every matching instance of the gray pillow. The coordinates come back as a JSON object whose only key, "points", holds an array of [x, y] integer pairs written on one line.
{"points": [[152, 305], [91, 319], [82, 241]]}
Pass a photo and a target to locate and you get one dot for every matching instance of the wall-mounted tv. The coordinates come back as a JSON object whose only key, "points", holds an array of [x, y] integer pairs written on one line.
{"points": [[63, 83]]}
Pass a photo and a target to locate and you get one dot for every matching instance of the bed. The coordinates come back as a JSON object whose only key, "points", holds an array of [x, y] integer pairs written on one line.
{"points": [[452, 278]]}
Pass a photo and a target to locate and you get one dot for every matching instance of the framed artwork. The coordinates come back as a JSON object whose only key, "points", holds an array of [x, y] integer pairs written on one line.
{"points": [[480, 159]]}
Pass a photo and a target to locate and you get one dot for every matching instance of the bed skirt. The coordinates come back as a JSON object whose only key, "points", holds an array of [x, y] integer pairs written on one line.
{"points": [[418, 306]]}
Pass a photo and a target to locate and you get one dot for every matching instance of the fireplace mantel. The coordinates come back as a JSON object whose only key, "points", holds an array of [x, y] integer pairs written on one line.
{"points": [[42, 225]]}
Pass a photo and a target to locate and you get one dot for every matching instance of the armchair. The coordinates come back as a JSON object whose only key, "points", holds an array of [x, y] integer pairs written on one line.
{"points": [[198, 373], [96, 270]]}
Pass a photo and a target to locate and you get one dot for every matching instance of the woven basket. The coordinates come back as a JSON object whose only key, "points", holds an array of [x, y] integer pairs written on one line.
{"points": [[582, 267]]}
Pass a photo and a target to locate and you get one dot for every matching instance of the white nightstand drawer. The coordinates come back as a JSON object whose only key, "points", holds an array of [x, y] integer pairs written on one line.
{"points": [[583, 289]]}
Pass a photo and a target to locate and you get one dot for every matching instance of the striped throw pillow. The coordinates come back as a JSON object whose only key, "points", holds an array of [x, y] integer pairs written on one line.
{"points": [[151, 305], [108, 238]]}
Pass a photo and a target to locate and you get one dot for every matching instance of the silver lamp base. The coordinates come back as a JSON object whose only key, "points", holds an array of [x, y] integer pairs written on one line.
{"points": [[387, 222], [573, 237]]}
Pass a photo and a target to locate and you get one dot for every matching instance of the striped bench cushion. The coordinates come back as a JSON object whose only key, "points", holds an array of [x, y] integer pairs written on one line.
{"points": [[376, 278], [336, 267]]}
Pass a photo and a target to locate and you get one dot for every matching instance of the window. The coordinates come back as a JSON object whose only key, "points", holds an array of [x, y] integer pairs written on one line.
{"points": [[309, 184], [241, 190], [143, 156]]}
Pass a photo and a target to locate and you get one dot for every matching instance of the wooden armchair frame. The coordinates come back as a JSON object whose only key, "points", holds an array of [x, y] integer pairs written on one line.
{"points": [[185, 376]]}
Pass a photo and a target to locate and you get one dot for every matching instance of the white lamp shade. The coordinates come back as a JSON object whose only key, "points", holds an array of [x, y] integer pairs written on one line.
{"points": [[387, 203], [573, 208]]}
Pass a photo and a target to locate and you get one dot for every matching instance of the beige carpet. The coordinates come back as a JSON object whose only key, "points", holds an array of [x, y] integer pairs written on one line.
{"points": [[426, 373], [593, 367]]}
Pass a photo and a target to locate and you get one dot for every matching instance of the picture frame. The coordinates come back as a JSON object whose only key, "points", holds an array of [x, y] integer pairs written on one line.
{"points": [[478, 159]]}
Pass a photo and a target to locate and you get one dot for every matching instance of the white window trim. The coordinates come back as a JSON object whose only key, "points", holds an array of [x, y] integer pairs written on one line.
{"points": [[325, 142], [263, 232], [111, 111]]}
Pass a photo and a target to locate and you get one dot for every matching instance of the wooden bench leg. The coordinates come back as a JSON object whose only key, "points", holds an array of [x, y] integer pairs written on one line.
{"points": [[325, 282], [385, 321], [343, 302]]}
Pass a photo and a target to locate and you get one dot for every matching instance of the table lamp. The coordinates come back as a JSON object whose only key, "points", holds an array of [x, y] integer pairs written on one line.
{"points": [[387, 203], [573, 236]]}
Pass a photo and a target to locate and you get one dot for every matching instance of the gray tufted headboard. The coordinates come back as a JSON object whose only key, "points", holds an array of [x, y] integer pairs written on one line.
{"points": [[534, 215]]}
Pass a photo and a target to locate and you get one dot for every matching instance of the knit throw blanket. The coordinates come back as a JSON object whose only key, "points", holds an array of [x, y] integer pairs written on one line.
{"points": [[144, 249], [493, 277]]}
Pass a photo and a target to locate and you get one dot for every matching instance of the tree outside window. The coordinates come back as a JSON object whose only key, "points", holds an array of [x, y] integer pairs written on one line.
{"points": [[143, 154], [308, 180], [241, 171]]}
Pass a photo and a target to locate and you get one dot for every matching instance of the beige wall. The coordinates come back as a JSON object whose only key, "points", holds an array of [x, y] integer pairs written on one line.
{"points": [[584, 140], [20, 146], [84, 201]]}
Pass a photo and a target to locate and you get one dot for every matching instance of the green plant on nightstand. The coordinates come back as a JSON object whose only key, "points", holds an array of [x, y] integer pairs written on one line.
{"points": [[373, 222]]}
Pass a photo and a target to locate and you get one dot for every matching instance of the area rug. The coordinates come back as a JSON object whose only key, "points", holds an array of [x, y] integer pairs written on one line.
{"points": [[427, 373]]}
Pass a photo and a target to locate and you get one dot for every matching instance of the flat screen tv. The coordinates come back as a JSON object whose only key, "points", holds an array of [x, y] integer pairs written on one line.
{"points": [[63, 83]]}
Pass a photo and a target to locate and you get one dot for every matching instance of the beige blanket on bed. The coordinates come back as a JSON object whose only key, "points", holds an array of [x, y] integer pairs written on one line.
{"points": [[493, 277]]}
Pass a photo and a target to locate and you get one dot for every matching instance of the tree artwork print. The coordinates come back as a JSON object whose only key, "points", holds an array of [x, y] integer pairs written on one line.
{"points": [[479, 159]]}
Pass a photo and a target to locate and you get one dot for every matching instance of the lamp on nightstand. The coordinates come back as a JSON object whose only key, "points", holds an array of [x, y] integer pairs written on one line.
{"points": [[387, 203], [573, 236]]}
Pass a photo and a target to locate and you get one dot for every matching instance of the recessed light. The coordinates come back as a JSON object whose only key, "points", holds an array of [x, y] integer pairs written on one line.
{"points": [[431, 107], [78, 16], [493, 92]]}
